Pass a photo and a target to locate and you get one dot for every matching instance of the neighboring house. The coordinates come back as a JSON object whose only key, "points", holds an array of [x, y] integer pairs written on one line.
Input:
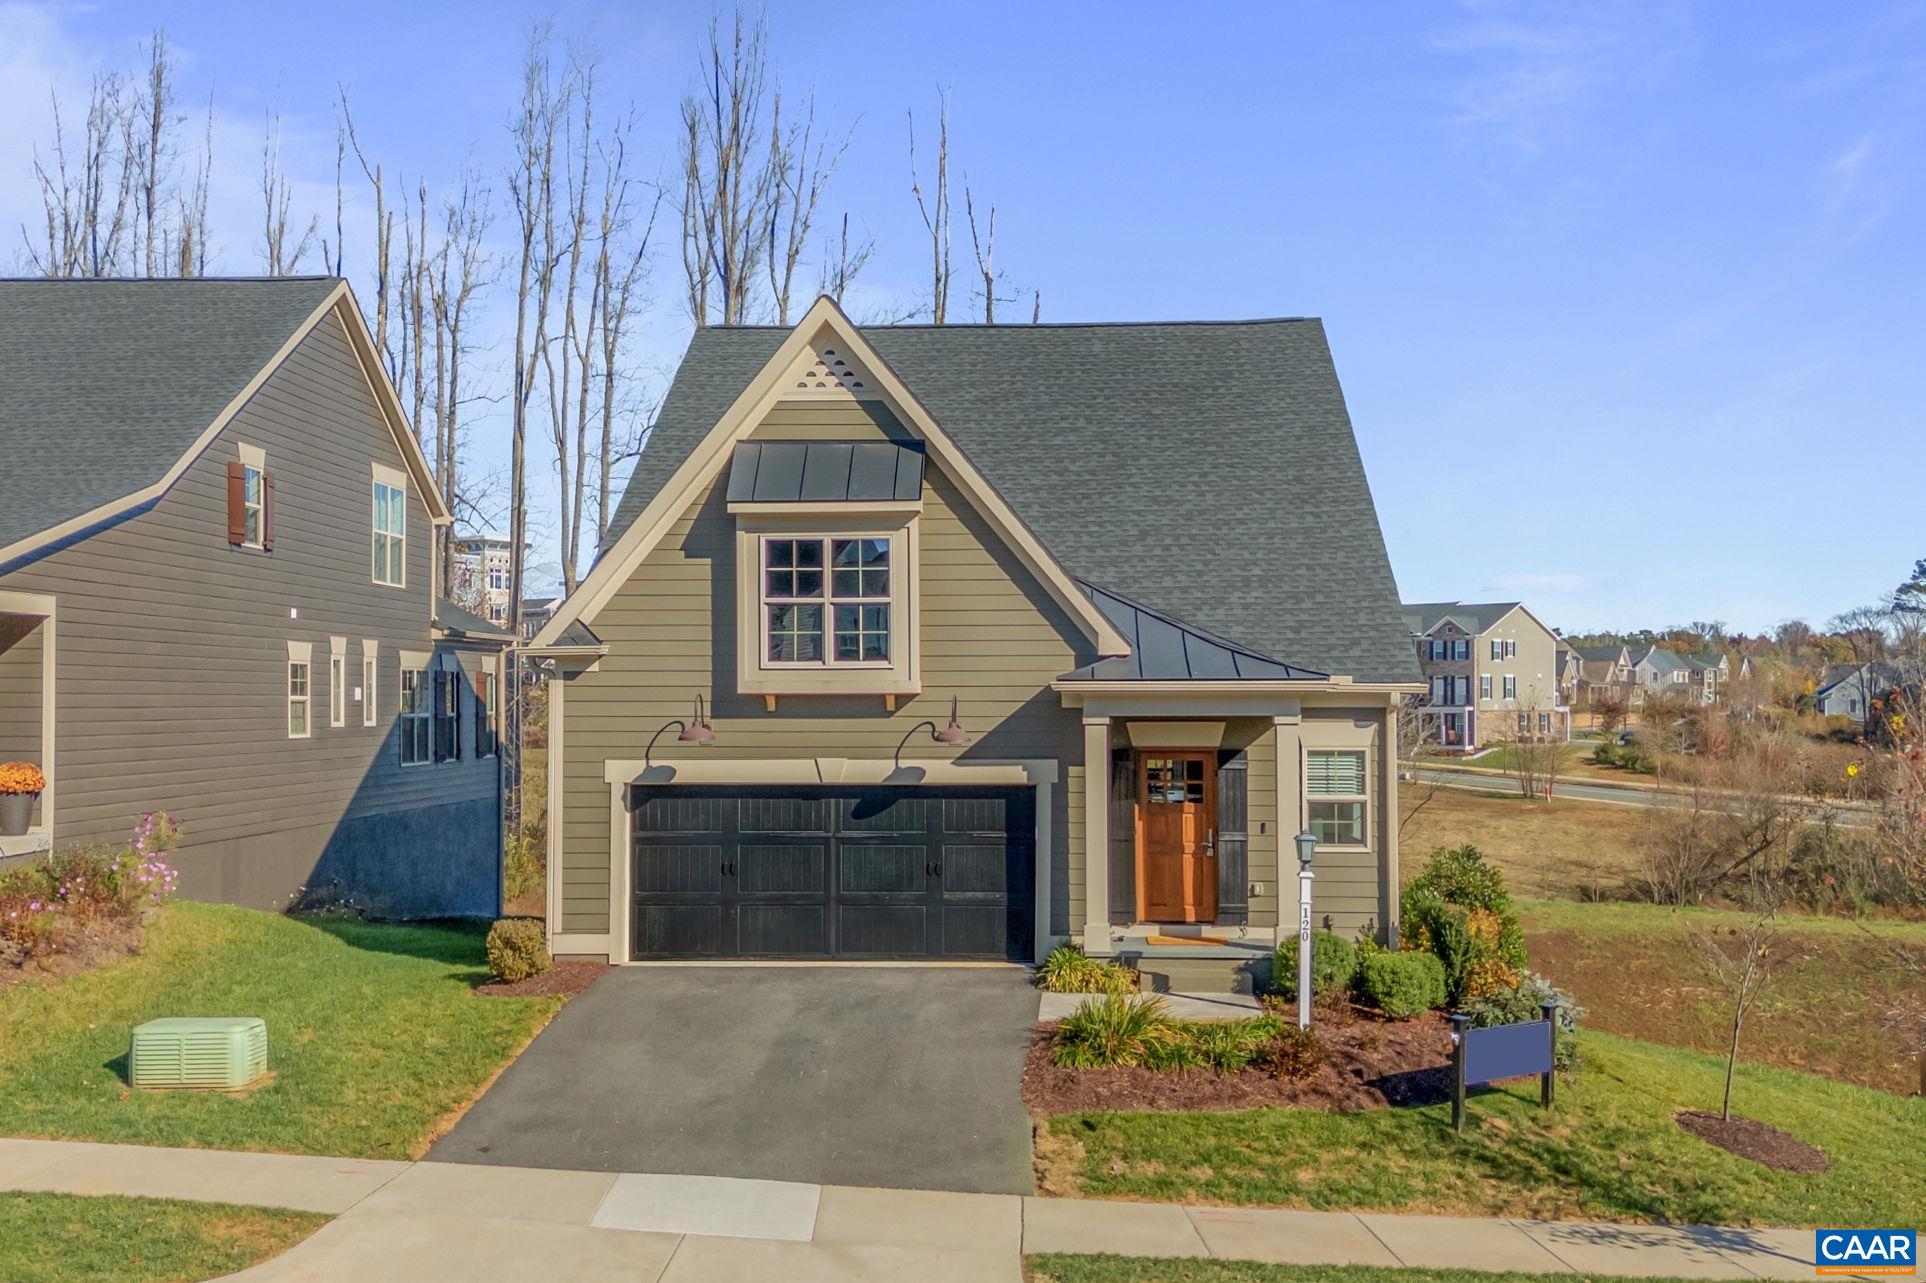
{"points": [[1656, 670], [1709, 671], [482, 570], [1138, 565], [1605, 669], [217, 598], [1848, 690], [1568, 674], [536, 612], [1491, 673]]}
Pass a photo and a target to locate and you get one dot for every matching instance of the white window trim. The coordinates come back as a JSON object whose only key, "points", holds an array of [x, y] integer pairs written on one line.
{"points": [[301, 653], [1484, 686], [828, 601], [254, 460], [395, 479], [1304, 818], [901, 675], [370, 682], [1511, 686], [337, 681], [421, 663]]}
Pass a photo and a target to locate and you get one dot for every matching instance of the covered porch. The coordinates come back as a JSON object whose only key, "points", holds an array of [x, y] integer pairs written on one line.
{"points": [[27, 689]]}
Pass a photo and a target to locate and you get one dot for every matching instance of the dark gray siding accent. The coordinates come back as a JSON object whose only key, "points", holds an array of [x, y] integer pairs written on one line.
{"points": [[1233, 836], [172, 661], [1123, 835]]}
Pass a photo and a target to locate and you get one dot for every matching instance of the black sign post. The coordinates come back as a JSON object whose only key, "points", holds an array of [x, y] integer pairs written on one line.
{"points": [[1503, 1051]]}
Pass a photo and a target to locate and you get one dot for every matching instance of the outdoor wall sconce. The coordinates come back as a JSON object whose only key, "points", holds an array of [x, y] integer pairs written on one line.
{"points": [[951, 734], [694, 731]]}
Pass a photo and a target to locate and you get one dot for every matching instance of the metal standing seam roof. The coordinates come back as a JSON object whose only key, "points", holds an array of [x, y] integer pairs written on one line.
{"points": [[1163, 649], [825, 471], [1208, 468], [455, 618], [104, 384]]}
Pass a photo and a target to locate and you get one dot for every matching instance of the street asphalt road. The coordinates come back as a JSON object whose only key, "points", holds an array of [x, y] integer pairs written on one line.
{"points": [[903, 1077]]}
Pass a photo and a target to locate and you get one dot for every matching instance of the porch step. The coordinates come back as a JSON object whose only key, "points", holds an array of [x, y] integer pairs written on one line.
{"points": [[1198, 968]]}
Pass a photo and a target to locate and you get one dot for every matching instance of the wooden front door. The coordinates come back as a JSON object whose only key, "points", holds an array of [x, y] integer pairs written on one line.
{"points": [[1177, 837]]}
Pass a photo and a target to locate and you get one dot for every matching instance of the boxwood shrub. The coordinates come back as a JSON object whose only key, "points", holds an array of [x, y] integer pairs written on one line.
{"points": [[1334, 966], [1402, 984], [517, 949]]}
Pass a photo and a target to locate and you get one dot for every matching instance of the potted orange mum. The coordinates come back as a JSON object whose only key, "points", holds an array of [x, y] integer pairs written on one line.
{"points": [[20, 784]]}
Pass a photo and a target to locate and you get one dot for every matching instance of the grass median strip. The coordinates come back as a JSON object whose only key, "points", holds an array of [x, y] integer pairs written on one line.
{"points": [[373, 1035], [74, 1238], [1609, 1151], [1138, 1269]]}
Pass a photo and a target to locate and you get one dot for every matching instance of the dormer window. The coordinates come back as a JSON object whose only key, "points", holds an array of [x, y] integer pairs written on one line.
{"points": [[826, 600]]}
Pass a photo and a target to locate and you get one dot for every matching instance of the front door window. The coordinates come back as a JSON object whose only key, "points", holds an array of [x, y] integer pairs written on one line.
{"points": [[1177, 837]]}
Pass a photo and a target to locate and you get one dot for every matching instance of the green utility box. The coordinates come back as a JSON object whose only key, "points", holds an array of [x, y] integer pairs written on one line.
{"points": [[206, 1053]]}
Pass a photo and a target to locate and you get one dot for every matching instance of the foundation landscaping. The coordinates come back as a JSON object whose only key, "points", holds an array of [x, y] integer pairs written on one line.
{"points": [[1355, 1114]]}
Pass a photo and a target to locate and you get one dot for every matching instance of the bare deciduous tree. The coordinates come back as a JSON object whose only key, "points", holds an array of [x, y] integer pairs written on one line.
{"points": [[936, 208], [460, 270], [384, 232], [728, 176], [843, 261], [984, 244], [279, 256], [1740, 960], [799, 178]]}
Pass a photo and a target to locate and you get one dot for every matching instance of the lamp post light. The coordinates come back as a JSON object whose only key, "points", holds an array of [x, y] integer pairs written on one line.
{"points": [[1306, 848]]}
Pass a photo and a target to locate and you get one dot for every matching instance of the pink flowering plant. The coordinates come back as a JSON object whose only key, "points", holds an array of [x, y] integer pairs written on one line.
{"points": [[43, 901]]}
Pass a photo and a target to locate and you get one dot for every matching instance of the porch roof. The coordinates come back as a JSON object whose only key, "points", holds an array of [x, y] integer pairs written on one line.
{"points": [[1163, 649]]}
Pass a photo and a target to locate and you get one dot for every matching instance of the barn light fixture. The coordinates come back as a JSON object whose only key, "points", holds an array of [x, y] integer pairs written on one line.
{"points": [[951, 734], [694, 731]]}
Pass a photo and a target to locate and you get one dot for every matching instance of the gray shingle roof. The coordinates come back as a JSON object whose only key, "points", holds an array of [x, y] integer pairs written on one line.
{"points": [[1473, 617], [1163, 649], [1205, 469], [105, 384]]}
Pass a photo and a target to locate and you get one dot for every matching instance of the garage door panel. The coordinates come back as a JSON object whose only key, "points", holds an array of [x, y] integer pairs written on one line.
{"points": [[979, 929], [679, 930], [975, 867], [783, 815], [680, 814], [769, 868], [783, 930], [866, 867], [882, 930], [678, 868], [975, 815], [880, 812]]}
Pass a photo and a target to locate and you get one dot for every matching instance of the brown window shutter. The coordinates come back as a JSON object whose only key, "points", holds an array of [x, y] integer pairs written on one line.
{"points": [[236, 502], [267, 511]]}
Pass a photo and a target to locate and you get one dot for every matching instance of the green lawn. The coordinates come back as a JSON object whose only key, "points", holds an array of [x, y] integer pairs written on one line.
{"points": [[1637, 970], [72, 1238], [373, 1035], [1140, 1269], [1609, 1151]]}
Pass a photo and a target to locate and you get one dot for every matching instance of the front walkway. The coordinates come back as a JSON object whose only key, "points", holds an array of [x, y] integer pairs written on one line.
{"points": [[410, 1222]]}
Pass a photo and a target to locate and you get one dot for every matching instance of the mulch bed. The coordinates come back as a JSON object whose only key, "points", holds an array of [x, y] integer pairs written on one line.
{"points": [[1760, 1142], [1369, 1063], [564, 978], [82, 948]]}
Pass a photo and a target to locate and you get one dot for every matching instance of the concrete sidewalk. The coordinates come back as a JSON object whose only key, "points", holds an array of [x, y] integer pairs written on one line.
{"points": [[411, 1222]]}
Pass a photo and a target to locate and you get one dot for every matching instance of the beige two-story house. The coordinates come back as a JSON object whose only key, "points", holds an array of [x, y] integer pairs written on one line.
{"points": [[1492, 674], [963, 641]]}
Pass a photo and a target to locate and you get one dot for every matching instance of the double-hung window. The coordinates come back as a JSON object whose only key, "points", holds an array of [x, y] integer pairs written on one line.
{"points": [[390, 528], [485, 713], [447, 694], [337, 689], [415, 713], [826, 601], [369, 670], [1336, 797], [1511, 686], [253, 505], [299, 698], [1461, 649], [1484, 686]]}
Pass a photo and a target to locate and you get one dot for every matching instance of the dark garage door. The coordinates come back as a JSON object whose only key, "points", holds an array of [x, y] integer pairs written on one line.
{"points": [[832, 872]]}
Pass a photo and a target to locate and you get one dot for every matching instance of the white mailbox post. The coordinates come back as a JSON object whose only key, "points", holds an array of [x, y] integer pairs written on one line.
{"points": [[1306, 848]]}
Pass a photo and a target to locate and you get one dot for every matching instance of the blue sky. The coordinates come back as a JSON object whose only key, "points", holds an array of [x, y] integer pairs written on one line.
{"points": [[1627, 299]]}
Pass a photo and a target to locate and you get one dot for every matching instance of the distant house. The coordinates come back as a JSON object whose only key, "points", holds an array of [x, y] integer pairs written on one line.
{"points": [[1848, 690], [1657, 671], [1568, 673], [1605, 669], [536, 611], [1492, 672], [218, 598], [482, 571]]}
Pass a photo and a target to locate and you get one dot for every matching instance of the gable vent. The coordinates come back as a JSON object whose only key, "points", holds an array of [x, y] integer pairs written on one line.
{"points": [[829, 370]]}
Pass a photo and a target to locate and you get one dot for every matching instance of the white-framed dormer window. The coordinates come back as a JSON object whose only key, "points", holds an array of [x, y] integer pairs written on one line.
{"points": [[390, 537], [300, 690], [1337, 800], [826, 602], [1511, 686]]}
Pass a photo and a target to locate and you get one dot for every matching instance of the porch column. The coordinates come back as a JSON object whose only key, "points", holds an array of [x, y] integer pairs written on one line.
{"points": [[1389, 892], [1096, 834], [1288, 732]]}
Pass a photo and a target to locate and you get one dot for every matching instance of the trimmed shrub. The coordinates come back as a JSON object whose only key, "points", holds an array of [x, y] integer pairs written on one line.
{"points": [[517, 949], [1459, 910], [1116, 1029], [1068, 969], [1334, 965], [1404, 984], [1292, 1053], [1525, 1001]]}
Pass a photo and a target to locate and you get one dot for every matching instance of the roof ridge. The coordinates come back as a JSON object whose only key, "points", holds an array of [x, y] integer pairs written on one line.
{"points": [[165, 280], [979, 327]]}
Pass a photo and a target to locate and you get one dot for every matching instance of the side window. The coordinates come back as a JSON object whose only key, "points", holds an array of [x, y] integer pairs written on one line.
{"points": [[1336, 799], [370, 684], [447, 695], [250, 500], [415, 711], [337, 689], [390, 537], [298, 699]]}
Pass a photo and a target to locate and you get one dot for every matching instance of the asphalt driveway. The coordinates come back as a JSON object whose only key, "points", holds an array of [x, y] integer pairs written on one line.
{"points": [[895, 1077]]}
